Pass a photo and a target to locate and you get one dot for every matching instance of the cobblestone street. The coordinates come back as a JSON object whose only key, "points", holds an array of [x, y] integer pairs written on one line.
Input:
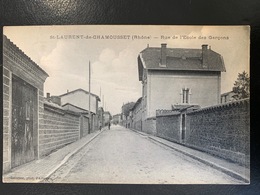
{"points": [[120, 155]]}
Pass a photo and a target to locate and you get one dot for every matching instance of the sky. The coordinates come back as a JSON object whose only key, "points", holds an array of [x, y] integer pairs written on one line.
{"points": [[65, 52]]}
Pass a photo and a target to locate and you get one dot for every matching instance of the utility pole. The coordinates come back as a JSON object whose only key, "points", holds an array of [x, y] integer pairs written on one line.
{"points": [[103, 102], [89, 97]]}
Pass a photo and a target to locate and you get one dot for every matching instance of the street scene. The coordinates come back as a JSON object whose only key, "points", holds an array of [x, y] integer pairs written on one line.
{"points": [[126, 105], [120, 155]]}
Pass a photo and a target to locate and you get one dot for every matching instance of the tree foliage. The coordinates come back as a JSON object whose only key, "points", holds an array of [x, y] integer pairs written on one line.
{"points": [[241, 87], [127, 107]]}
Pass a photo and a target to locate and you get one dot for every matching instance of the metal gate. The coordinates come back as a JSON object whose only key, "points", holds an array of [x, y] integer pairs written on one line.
{"points": [[24, 122]]}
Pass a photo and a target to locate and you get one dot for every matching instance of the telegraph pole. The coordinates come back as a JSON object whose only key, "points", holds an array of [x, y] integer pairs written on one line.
{"points": [[89, 97], [103, 102]]}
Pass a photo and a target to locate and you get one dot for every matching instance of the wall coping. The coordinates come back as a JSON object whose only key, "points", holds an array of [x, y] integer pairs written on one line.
{"points": [[151, 118], [161, 113], [58, 109], [222, 106]]}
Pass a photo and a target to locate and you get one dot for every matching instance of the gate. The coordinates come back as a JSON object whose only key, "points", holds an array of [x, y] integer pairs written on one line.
{"points": [[183, 127], [24, 122]]}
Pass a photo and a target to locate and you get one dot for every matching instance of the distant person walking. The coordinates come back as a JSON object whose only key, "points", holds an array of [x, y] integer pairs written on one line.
{"points": [[100, 125], [109, 126]]}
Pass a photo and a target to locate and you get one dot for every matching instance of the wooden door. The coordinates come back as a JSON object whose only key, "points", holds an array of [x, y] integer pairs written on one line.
{"points": [[24, 128]]}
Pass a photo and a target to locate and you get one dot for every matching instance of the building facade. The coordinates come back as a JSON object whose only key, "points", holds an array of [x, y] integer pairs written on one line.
{"points": [[100, 114], [173, 76], [126, 114], [78, 100], [136, 113], [23, 108], [107, 118], [116, 119], [227, 97]]}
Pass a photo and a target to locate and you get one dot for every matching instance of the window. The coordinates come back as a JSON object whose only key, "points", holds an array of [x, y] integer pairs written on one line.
{"points": [[185, 95]]}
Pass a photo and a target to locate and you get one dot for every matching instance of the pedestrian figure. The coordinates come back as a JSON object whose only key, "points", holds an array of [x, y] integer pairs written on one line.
{"points": [[109, 126], [100, 125]]}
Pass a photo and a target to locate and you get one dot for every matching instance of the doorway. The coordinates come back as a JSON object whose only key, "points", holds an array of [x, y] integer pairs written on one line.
{"points": [[183, 127], [24, 122]]}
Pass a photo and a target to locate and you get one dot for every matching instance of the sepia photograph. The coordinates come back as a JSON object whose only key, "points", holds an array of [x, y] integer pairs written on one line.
{"points": [[126, 104]]}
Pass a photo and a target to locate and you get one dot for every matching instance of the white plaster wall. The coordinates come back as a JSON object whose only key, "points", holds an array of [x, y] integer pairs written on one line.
{"points": [[80, 99], [165, 90]]}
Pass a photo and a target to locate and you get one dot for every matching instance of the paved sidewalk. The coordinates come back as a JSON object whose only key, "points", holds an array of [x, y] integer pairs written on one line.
{"points": [[37, 170], [230, 168]]}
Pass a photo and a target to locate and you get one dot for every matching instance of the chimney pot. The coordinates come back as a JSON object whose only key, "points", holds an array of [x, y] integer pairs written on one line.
{"points": [[204, 55], [48, 95], [163, 54], [204, 46]]}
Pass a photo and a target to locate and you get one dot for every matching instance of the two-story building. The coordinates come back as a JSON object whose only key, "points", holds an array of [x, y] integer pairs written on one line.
{"points": [[78, 101], [177, 76], [116, 119]]}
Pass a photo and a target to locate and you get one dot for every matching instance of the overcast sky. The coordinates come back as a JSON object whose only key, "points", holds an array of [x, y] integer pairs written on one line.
{"points": [[114, 61]]}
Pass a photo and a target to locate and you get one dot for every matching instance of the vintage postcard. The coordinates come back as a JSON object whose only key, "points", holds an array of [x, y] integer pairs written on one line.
{"points": [[126, 104]]}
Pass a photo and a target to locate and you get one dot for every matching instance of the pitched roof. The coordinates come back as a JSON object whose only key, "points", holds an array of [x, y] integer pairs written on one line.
{"points": [[76, 90], [137, 103], [181, 59], [9, 45]]}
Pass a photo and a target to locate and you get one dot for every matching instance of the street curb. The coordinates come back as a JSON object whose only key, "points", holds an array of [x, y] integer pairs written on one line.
{"points": [[211, 164], [67, 157]]}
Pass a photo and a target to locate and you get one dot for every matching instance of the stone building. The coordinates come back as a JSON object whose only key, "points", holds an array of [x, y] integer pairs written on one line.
{"points": [[23, 106], [174, 76], [34, 126]]}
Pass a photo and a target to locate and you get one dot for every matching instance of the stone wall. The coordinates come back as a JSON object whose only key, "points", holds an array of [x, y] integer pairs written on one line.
{"points": [[137, 125], [149, 126], [6, 119], [84, 126], [168, 126], [222, 130], [57, 129]]}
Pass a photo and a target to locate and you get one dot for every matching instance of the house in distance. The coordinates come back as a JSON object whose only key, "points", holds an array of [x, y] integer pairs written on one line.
{"points": [[78, 101]]}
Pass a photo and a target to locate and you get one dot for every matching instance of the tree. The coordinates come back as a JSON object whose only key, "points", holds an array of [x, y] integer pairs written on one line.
{"points": [[241, 87]]}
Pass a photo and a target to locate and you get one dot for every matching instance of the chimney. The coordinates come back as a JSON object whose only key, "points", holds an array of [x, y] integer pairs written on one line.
{"points": [[204, 55], [48, 97], [163, 55]]}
